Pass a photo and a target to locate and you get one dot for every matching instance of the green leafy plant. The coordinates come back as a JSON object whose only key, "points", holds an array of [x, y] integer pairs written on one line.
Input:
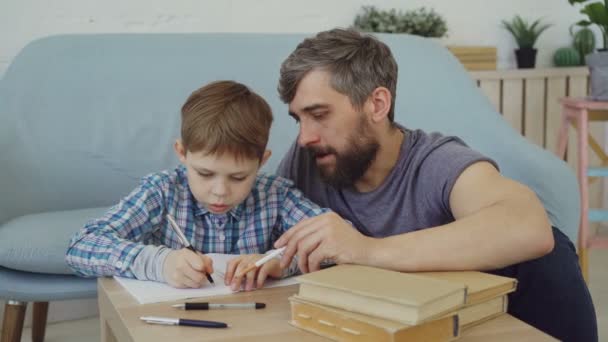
{"points": [[525, 34], [597, 13], [422, 21], [583, 41]]}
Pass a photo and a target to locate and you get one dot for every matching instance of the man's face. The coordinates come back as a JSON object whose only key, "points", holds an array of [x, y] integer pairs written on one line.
{"points": [[219, 182], [339, 136]]}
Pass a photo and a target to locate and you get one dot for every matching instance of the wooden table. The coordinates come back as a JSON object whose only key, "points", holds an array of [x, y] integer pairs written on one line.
{"points": [[119, 316]]}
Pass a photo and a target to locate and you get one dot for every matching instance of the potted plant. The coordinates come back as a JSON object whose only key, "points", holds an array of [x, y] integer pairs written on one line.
{"points": [[525, 35], [421, 22], [597, 13], [583, 41]]}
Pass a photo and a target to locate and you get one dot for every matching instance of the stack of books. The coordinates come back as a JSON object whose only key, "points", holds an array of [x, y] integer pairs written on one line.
{"points": [[360, 303], [486, 295], [475, 57]]}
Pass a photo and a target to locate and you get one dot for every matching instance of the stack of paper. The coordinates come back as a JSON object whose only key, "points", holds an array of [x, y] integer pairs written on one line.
{"points": [[152, 292]]}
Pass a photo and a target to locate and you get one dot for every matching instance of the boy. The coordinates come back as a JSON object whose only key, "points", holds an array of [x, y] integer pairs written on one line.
{"points": [[216, 197]]}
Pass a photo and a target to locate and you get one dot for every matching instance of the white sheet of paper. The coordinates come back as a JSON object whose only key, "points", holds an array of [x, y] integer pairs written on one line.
{"points": [[153, 292]]}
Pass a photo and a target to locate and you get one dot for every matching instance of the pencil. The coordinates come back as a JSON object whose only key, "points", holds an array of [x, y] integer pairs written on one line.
{"points": [[269, 256], [182, 238]]}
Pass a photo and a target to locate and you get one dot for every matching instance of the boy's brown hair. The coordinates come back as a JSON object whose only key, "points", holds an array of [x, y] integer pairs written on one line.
{"points": [[226, 117]]}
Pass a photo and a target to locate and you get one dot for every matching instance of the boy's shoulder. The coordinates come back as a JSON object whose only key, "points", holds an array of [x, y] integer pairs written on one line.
{"points": [[170, 178], [268, 190], [266, 182]]}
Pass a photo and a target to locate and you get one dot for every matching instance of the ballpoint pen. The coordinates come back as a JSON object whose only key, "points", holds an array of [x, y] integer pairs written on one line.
{"points": [[270, 255], [182, 238], [211, 306], [182, 321]]}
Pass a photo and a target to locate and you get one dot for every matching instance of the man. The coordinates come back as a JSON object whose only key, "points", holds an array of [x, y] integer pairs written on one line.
{"points": [[419, 201]]}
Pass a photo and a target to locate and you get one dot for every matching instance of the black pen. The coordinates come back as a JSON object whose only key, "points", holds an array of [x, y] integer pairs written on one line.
{"points": [[212, 306], [184, 241], [182, 321]]}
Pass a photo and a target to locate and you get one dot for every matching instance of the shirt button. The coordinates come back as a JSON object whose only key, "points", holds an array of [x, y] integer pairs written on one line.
{"points": [[118, 264], [222, 237]]}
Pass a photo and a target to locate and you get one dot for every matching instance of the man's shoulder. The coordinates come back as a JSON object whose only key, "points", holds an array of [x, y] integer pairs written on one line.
{"points": [[432, 139], [421, 146], [437, 154]]}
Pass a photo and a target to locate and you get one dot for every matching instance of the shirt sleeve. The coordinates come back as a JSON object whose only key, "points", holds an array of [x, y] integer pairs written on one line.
{"points": [[295, 208], [149, 263], [441, 169], [109, 245]]}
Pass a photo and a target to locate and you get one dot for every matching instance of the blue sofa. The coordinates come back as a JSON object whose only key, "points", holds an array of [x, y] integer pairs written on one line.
{"points": [[83, 117]]}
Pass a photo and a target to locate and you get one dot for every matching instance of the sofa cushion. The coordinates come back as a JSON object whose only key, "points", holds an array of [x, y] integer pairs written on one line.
{"points": [[35, 287], [38, 242]]}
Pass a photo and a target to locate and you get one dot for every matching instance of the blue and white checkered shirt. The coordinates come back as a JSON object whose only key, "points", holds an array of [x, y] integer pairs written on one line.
{"points": [[111, 244]]}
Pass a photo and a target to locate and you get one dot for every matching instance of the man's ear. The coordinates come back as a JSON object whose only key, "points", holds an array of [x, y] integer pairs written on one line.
{"points": [[265, 157], [180, 151], [380, 104]]}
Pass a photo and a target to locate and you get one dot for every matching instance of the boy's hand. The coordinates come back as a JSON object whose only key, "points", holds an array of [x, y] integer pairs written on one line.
{"points": [[184, 268], [237, 265]]}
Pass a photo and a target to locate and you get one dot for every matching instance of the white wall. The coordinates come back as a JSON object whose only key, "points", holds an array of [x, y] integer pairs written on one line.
{"points": [[473, 22], [470, 21]]}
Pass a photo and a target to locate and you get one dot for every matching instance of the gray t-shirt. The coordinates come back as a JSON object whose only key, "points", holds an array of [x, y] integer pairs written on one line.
{"points": [[415, 195]]}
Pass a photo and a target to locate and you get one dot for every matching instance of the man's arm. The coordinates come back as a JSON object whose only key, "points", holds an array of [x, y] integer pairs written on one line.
{"points": [[499, 222]]}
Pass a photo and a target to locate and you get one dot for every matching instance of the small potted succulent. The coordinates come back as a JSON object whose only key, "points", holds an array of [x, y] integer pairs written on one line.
{"points": [[526, 34], [583, 43], [583, 40]]}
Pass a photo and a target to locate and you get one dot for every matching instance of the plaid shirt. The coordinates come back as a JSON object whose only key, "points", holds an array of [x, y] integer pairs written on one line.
{"points": [[108, 246]]}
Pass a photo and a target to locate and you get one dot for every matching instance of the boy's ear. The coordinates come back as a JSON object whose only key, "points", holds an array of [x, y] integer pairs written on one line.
{"points": [[265, 157], [180, 151]]}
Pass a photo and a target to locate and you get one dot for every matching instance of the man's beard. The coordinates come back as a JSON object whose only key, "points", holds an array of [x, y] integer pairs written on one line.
{"points": [[351, 164]]}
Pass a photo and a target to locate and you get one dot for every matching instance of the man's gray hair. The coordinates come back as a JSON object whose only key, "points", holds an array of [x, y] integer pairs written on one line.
{"points": [[358, 63]]}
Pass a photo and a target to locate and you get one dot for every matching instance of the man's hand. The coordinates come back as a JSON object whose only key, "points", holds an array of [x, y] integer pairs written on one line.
{"points": [[237, 265], [323, 237], [183, 268]]}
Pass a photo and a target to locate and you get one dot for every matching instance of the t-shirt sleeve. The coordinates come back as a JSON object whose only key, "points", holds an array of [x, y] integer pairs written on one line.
{"points": [[295, 207], [441, 168]]}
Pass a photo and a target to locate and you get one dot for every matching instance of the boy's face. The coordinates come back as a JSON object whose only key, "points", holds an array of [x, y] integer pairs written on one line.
{"points": [[219, 182]]}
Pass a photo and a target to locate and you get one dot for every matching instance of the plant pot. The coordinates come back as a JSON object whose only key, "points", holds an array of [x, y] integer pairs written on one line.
{"points": [[598, 75], [526, 58]]}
